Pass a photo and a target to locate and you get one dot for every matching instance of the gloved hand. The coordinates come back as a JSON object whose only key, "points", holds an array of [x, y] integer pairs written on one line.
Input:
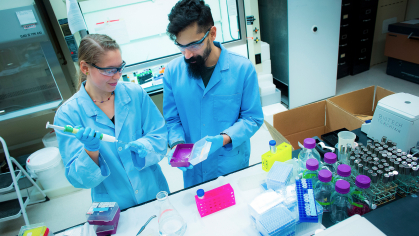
{"points": [[169, 157], [216, 143], [90, 138], [137, 147], [186, 168]]}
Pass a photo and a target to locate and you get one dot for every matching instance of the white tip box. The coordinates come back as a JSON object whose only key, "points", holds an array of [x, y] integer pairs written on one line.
{"points": [[397, 118]]}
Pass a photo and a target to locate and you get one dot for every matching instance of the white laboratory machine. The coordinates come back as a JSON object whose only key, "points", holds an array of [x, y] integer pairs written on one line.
{"points": [[397, 118]]}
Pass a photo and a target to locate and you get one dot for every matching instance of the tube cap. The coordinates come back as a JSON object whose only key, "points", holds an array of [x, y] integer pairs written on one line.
{"points": [[325, 176], [309, 143], [342, 186], [200, 192], [362, 181], [330, 158], [344, 170], [312, 164], [272, 143]]}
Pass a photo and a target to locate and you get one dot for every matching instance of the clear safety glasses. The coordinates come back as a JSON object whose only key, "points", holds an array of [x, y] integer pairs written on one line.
{"points": [[109, 71], [194, 46]]}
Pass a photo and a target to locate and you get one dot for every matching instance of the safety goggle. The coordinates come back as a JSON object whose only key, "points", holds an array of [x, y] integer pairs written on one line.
{"points": [[109, 71], [194, 46]]}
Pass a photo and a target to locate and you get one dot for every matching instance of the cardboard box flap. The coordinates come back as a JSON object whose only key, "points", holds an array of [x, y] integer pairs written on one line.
{"points": [[337, 118], [356, 102], [300, 136], [381, 93], [300, 118]]}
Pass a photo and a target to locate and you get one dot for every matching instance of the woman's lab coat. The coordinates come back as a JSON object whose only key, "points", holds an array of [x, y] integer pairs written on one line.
{"points": [[229, 104], [121, 176]]}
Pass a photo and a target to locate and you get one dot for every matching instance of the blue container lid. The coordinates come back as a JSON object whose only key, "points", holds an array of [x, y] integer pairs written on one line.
{"points": [[272, 143], [200, 192]]}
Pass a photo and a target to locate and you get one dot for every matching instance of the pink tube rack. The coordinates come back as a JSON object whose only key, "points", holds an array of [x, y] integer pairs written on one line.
{"points": [[215, 200]]}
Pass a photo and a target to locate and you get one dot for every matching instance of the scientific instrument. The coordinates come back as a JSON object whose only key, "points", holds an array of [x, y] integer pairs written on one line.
{"points": [[70, 129]]}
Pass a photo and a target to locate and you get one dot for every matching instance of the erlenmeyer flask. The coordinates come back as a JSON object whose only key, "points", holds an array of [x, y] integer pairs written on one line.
{"points": [[170, 222]]}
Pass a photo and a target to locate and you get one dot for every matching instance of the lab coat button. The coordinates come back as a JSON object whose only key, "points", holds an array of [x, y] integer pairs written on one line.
{"points": [[204, 124], [136, 191], [120, 149]]}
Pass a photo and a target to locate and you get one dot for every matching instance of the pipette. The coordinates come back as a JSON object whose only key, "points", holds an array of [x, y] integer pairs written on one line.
{"points": [[103, 137], [70, 129]]}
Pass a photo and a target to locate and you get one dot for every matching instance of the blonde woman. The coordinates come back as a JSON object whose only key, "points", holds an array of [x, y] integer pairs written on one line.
{"points": [[127, 175]]}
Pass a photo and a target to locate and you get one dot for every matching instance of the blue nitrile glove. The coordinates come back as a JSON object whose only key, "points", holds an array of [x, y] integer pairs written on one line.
{"points": [[216, 143], [90, 138], [169, 157], [138, 147], [186, 168]]}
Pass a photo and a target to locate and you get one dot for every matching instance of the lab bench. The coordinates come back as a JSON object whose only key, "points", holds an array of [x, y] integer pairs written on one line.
{"points": [[391, 218]]}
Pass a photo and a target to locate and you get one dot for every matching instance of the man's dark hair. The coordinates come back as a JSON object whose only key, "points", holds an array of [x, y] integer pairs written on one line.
{"points": [[186, 12]]}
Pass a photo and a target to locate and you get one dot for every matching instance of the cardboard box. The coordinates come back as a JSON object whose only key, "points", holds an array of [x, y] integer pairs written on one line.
{"points": [[328, 115], [402, 41], [388, 12]]}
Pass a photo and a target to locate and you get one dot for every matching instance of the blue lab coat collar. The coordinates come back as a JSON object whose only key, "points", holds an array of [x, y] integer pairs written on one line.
{"points": [[121, 111], [222, 65]]}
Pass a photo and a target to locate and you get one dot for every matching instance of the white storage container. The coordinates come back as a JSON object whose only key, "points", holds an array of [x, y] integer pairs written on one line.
{"points": [[50, 139], [265, 78], [48, 167], [266, 54], [271, 98], [266, 88]]}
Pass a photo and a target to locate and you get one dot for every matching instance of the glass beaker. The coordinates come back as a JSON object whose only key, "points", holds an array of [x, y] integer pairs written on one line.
{"points": [[170, 221]]}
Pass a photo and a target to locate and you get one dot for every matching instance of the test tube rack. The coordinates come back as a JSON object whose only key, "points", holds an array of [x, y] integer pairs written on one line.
{"points": [[306, 203], [283, 153], [407, 186], [215, 200]]}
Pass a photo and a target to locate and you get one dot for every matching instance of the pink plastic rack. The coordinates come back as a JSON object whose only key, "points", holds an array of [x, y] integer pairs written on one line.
{"points": [[215, 200]]}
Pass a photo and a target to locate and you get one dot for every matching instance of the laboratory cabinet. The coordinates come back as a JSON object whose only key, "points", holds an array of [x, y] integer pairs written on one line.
{"points": [[304, 43], [31, 79]]}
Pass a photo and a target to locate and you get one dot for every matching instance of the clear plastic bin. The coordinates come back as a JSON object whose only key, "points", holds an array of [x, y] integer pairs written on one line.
{"points": [[200, 151], [263, 202]]}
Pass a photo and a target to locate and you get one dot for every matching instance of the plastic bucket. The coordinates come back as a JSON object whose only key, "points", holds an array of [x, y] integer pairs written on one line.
{"points": [[47, 165], [50, 139]]}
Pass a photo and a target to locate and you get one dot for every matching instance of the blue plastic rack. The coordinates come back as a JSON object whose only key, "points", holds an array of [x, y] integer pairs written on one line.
{"points": [[306, 204]]}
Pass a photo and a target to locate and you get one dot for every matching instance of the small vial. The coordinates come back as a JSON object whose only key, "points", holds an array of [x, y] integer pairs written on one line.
{"points": [[385, 147], [376, 141], [272, 146], [391, 175], [395, 175], [391, 168], [384, 139], [370, 172], [389, 142], [415, 171], [200, 193], [360, 169], [394, 144], [386, 179]]}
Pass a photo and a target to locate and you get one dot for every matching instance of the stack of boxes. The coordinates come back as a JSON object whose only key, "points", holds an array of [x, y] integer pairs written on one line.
{"points": [[104, 216]]}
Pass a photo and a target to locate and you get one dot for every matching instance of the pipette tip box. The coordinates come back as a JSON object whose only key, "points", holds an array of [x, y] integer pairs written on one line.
{"points": [[306, 202], [215, 200], [103, 213], [181, 155], [277, 221], [34, 230], [279, 175]]}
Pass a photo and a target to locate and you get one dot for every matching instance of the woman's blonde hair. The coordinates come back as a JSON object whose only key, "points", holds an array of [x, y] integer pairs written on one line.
{"points": [[92, 48]]}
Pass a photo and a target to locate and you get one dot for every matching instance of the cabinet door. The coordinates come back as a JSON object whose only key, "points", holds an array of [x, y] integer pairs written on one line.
{"points": [[313, 31]]}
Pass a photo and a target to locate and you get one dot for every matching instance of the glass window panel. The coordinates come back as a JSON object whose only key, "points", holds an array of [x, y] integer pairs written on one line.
{"points": [[139, 26], [25, 79]]}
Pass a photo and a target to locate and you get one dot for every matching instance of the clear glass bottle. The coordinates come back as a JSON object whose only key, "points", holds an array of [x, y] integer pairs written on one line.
{"points": [[330, 163], [341, 201], [361, 196], [344, 173], [170, 222], [312, 171], [308, 152], [323, 189]]}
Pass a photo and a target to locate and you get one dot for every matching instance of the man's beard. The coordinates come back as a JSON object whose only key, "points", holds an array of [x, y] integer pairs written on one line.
{"points": [[195, 69]]}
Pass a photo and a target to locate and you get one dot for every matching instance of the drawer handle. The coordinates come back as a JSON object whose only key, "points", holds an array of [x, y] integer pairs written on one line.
{"points": [[362, 58], [344, 45], [341, 64], [366, 20]]}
